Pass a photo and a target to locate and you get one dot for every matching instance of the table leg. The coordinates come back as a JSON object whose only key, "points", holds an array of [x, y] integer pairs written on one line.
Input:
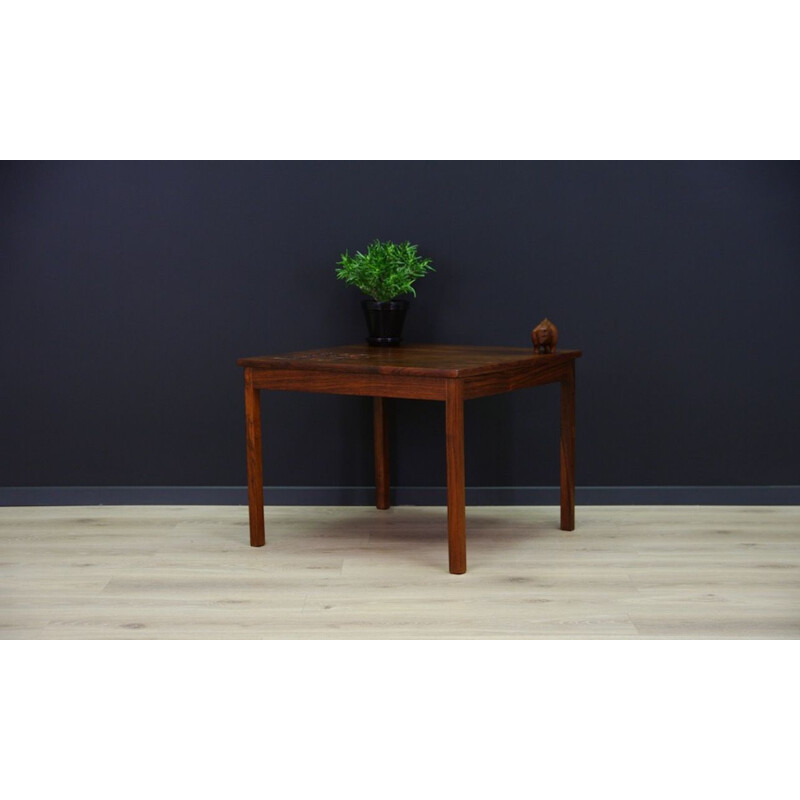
{"points": [[568, 450], [255, 470], [381, 431], [456, 495]]}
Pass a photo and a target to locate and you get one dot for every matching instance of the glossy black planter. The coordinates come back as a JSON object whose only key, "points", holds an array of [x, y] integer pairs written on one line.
{"points": [[385, 321]]}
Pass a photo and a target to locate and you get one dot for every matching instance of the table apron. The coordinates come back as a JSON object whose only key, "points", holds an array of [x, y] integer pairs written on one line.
{"points": [[296, 380], [502, 381], [404, 386]]}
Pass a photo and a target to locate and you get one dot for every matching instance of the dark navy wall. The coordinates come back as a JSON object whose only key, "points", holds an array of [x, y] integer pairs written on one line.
{"points": [[128, 290]]}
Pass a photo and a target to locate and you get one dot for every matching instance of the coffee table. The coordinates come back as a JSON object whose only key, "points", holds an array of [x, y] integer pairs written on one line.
{"points": [[448, 373]]}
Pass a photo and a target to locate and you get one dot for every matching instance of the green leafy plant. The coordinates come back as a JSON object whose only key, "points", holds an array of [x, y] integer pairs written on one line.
{"points": [[385, 271]]}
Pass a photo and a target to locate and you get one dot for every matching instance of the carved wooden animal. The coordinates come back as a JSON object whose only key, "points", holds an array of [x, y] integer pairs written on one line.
{"points": [[544, 337]]}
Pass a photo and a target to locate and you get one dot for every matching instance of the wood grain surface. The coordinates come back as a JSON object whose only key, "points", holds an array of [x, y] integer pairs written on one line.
{"points": [[423, 360], [155, 572]]}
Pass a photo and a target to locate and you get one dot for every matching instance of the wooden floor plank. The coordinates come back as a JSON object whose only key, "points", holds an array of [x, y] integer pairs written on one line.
{"points": [[169, 572]]}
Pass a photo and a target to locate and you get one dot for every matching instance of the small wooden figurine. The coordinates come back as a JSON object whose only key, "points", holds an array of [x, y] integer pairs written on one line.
{"points": [[544, 337]]}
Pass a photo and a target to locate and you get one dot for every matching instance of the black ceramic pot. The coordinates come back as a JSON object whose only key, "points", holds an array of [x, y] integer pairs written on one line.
{"points": [[385, 321]]}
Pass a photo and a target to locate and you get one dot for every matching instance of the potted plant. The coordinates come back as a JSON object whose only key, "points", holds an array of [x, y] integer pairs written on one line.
{"points": [[386, 271]]}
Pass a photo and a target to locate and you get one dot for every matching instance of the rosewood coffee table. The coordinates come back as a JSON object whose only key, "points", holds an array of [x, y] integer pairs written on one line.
{"points": [[451, 373]]}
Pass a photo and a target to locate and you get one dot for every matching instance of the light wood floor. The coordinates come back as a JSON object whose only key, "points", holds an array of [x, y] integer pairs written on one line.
{"points": [[157, 572]]}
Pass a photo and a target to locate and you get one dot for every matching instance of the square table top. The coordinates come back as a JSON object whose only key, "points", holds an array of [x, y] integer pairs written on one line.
{"points": [[419, 360]]}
